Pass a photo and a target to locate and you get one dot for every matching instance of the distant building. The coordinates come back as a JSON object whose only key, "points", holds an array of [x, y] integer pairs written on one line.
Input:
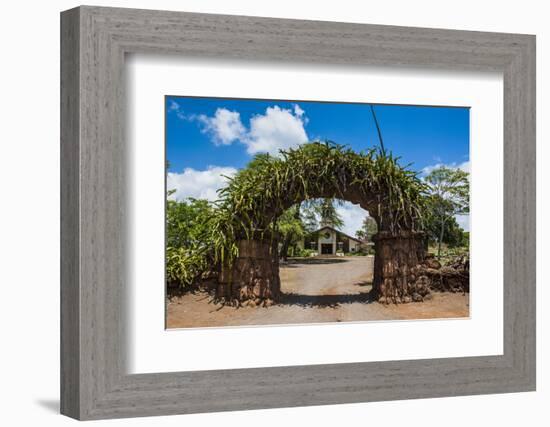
{"points": [[328, 241]]}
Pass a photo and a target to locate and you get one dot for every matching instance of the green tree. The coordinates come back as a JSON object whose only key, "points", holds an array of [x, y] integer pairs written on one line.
{"points": [[368, 229], [188, 240], [187, 222], [291, 230], [309, 216], [448, 196]]}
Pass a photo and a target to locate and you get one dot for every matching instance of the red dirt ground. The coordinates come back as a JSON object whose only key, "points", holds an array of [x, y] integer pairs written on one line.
{"points": [[315, 290]]}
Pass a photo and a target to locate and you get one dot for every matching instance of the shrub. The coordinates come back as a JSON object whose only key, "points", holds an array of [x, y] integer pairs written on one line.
{"points": [[184, 266], [189, 242], [304, 252], [358, 253]]}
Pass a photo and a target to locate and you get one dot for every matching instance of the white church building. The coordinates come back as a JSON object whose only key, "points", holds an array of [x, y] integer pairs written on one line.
{"points": [[330, 241]]}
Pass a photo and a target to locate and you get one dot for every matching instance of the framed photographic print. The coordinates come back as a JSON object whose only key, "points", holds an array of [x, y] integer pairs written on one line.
{"points": [[323, 212], [316, 209]]}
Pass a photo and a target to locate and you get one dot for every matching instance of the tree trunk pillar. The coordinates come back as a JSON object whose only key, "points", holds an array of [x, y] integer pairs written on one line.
{"points": [[395, 265], [252, 277]]}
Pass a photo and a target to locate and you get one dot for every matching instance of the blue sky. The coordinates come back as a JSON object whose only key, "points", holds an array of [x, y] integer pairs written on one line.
{"points": [[207, 138]]}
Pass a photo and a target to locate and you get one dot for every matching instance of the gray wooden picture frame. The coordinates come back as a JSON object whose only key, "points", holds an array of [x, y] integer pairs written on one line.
{"points": [[94, 382]]}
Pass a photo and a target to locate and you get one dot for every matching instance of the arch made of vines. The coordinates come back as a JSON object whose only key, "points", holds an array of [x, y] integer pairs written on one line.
{"points": [[258, 195], [245, 223]]}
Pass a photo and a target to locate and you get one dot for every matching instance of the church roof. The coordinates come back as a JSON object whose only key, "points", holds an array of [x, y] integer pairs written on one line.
{"points": [[328, 227]]}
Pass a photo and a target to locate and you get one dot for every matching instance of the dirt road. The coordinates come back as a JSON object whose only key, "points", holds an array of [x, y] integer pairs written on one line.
{"points": [[315, 290], [338, 276]]}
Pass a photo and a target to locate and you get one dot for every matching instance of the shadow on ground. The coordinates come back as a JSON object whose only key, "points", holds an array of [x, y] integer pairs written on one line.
{"points": [[331, 301], [51, 405], [311, 261]]}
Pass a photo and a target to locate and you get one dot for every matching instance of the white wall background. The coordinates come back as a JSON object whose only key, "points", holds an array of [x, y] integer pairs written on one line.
{"points": [[29, 217]]}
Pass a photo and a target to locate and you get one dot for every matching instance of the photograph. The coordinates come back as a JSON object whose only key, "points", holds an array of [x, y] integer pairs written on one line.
{"points": [[305, 212]]}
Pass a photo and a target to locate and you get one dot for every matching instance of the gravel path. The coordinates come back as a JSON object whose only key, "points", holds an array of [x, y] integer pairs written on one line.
{"points": [[315, 290]]}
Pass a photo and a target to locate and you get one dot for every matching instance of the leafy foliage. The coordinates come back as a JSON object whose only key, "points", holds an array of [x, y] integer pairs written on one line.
{"points": [[187, 222], [308, 215], [290, 229], [184, 266], [315, 213], [326, 210], [189, 241], [290, 223], [453, 235]]}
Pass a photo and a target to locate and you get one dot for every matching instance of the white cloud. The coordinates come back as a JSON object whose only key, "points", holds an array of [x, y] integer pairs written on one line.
{"points": [[278, 129], [200, 184], [225, 127], [298, 112], [353, 216], [176, 108], [465, 166]]}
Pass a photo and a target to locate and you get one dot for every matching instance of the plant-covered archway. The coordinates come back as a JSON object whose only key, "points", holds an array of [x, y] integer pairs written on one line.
{"points": [[246, 221]]}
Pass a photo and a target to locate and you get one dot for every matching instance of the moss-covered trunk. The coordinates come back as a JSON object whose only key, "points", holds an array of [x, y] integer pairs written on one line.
{"points": [[253, 277], [396, 260]]}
